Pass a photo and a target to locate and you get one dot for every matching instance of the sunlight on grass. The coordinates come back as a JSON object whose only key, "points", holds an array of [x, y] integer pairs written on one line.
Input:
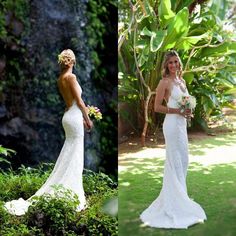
{"points": [[125, 184], [211, 182], [209, 151], [215, 150], [144, 153]]}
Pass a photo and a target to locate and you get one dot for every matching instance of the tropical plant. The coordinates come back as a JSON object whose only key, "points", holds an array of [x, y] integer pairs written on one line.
{"points": [[56, 214], [5, 152], [147, 29]]}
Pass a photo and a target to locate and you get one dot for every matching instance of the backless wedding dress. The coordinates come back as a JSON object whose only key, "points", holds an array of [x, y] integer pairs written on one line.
{"points": [[69, 166], [173, 208]]}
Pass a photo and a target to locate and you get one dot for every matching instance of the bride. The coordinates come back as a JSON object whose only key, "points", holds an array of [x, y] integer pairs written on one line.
{"points": [[173, 208], [69, 166]]}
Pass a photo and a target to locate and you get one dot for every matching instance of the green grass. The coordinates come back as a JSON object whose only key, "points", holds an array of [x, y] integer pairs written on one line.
{"points": [[202, 147], [212, 185]]}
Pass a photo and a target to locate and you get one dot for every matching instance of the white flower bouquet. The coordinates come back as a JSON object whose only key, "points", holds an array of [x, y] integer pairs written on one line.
{"points": [[187, 102]]}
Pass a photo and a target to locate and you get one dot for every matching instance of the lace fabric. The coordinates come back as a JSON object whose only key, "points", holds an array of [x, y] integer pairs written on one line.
{"points": [[173, 208], [69, 166]]}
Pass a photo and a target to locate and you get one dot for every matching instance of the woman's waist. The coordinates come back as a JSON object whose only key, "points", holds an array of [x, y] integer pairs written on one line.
{"points": [[73, 107], [73, 111], [174, 117], [172, 104]]}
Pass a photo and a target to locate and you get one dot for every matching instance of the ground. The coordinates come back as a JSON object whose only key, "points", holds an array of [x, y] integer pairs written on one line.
{"points": [[211, 180]]}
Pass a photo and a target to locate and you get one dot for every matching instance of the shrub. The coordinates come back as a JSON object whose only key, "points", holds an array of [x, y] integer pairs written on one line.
{"points": [[22, 183], [97, 182], [21, 230], [53, 213], [56, 214]]}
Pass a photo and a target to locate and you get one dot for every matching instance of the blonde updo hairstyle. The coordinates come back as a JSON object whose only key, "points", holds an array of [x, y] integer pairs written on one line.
{"points": [[165, 70], [66, 58]]}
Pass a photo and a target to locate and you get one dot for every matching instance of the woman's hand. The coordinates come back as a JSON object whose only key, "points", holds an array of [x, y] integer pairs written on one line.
{"points": [[188, 113], [87, 110], [185, 112], [85, 125], [88, 125]]}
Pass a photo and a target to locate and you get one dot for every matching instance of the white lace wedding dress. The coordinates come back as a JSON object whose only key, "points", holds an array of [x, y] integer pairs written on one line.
{"points": [[69, 166], [173, 208]]}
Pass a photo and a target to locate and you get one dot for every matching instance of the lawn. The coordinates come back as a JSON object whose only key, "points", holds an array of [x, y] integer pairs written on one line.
{"points": [[211, 182]]}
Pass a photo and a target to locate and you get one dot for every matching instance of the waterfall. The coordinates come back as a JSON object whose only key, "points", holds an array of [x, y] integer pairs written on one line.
{"points": [[32, 122]]}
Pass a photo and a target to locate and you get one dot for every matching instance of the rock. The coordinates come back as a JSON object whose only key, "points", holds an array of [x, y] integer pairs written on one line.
{"points": [[3, 111], [17, 128], [2, 65]]}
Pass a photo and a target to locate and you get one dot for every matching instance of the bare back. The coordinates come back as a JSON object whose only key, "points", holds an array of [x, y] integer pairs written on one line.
{"points": [[65, 88], [164, 90]]}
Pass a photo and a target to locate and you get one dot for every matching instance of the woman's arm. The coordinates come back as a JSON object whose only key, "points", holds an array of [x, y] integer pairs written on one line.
{"points": [[160, 93], [76, 92]]}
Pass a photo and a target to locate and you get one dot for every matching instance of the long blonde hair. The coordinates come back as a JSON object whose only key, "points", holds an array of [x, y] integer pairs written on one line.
{"points": [[164, 67]]}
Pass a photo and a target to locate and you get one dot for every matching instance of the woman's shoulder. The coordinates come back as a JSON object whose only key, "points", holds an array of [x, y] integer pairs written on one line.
{"points": [[71, 76], [165, 81], [67, 76]]}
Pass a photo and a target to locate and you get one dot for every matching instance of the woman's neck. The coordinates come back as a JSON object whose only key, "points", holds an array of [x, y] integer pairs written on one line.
{"points": [[173, 76], [66, 70]]}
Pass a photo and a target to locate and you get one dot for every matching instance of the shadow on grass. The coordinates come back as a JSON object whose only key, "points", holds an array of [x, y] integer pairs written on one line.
{"points": [[197, 147], [214, 187]]}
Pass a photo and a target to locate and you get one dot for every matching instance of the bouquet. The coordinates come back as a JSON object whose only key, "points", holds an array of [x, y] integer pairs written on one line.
{"points": [[187, 102], [94, 112]]}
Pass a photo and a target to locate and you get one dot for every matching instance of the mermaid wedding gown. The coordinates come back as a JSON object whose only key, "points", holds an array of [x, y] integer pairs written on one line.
{"points": [[69, 166], [173, 208]]}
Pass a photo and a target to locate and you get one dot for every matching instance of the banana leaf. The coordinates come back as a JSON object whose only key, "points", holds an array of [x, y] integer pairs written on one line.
{"points": [[165, 12], [186, 43], [223, 49], [157, 40], [189, 77], [177, 28]]}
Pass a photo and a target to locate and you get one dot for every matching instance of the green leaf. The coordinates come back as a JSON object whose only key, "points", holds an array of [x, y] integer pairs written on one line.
{"points": [[214, 99], [223, 49], [189, 77], [186, 3], [142, 43], [187, 42], [230, 106], [178, 28], [207, 105], [157, 40], [165, 12], [144, 56], [203, 124], [4, 160], [146, 10], [231, 68], [146, 32], [225, 83], [231, 91]]}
